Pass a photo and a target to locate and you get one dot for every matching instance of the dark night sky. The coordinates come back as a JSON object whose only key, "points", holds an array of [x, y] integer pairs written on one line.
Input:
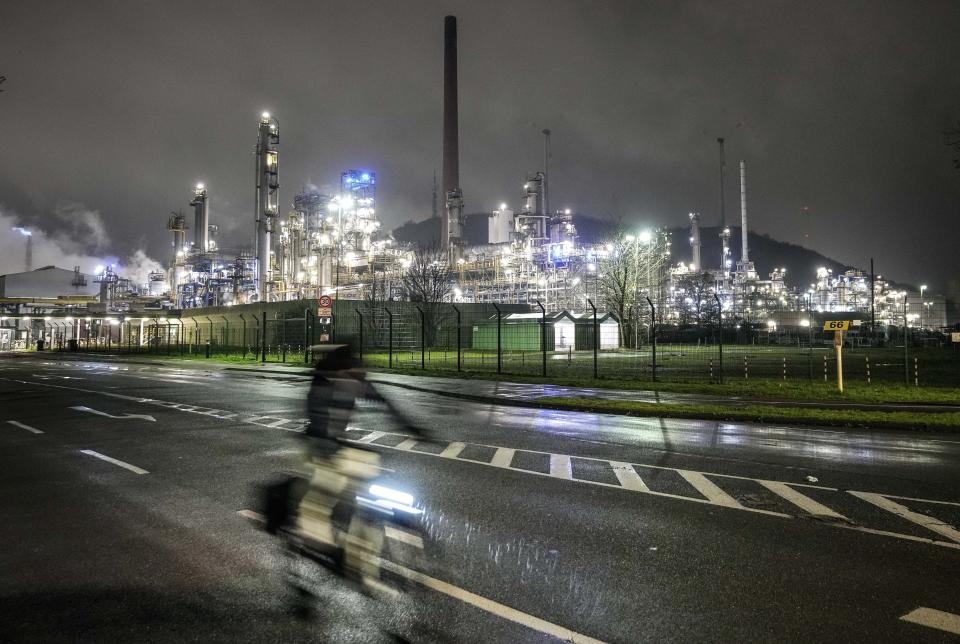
{"points": [[120, 108]]}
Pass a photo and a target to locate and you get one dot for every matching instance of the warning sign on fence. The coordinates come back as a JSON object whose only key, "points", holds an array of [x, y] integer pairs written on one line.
{"points": [[836, 325], [325, 308]]}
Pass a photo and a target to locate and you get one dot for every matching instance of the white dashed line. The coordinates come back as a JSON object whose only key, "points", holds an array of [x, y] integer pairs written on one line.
{"points": [[560, 467], [932, 618], [104, 457], [33, 430]]}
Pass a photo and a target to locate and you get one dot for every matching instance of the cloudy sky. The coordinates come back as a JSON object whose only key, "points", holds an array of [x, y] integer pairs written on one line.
{"points": [[111, 112]]}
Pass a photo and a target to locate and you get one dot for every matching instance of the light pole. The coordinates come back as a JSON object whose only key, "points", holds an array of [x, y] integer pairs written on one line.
{"points": [[923, 287]]}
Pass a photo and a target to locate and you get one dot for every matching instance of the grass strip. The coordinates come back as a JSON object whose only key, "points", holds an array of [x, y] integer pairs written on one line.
{"points": [[762, 414]]}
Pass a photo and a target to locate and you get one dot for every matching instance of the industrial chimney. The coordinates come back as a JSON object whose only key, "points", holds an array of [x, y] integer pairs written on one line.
{"points": [[745, 255], [695, 240], [451, 137]]}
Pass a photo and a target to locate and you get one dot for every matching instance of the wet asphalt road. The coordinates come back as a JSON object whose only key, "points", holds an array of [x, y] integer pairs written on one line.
{"points": [[539, 522]]}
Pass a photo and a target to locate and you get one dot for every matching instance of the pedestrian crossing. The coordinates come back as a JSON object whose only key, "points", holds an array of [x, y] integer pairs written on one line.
{"points": [[919, 520]]}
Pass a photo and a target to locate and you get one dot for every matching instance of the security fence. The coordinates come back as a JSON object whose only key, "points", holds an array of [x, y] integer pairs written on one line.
{"points": [[518, 339]]}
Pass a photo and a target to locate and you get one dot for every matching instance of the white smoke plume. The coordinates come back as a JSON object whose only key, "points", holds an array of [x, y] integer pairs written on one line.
{"points": [[78, 233]]}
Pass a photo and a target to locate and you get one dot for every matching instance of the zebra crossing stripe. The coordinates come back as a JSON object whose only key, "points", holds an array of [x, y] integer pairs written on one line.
{"points": [[561, 467], [628, 477], [407, 444], [923, 520], [503, 457], [802, 501], [369, 438], [453, 450], [709, 489]]}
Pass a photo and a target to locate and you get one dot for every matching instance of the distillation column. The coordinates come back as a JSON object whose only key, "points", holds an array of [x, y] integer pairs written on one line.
{"points": [[267, 200], [695, 240], [201, 219], [451, 141]]}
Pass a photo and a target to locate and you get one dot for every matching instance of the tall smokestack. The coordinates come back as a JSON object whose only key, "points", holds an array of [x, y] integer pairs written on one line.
{"points": [[723, 166], [451, 136], [745, 255], [695, 240]]}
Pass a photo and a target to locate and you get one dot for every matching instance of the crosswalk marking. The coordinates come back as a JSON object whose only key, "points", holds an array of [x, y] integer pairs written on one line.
{"points": [[712, 494], [369, 438], [453, 450], [709, 489], [407, 444], [933, 618], [502, 457], [560, 466], [927, 522], [628, 477], [802, 501], [403, 536]]}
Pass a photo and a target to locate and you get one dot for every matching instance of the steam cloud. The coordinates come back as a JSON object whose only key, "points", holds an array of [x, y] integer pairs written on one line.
{"points": [[80, 239]]}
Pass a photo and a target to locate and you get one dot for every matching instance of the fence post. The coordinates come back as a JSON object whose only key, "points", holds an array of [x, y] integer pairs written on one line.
{"points": [[423, 339], [746, 370], [458, 334], [916, 373], [390, 336], [596, 338], [263, 338], [653, 337], [868, 370], [824, 368], [307, 324], [499, 346], [784, 367], [720, 334], [543, 336], [196, 337], [243, 340], [360, 327]]}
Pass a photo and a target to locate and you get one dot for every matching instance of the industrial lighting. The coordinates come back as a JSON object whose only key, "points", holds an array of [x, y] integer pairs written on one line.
{"points": [[199, 186], [265, 115], [23, 231], [503, 206], [47, 318]]}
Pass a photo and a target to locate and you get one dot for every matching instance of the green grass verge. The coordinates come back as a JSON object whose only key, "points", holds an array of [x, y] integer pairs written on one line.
{"points": [[738, 388], [763, 414]]}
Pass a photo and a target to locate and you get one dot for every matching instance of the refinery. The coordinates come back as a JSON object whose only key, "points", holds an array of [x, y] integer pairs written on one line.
{"points": [[335, 244]]}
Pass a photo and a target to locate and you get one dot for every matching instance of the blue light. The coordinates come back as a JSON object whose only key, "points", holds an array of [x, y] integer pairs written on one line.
{"points": [[365, 176]]}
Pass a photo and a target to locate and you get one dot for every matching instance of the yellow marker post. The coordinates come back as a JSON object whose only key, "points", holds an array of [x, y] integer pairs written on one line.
{"points": [[838, 345], [838, 327]]}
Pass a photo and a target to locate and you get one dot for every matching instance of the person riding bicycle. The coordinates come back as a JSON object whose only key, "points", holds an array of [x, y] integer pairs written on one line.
{"points": [[339, 471]]}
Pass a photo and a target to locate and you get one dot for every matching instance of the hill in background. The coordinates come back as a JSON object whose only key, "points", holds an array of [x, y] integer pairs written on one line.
{"points": [[766, 252]]}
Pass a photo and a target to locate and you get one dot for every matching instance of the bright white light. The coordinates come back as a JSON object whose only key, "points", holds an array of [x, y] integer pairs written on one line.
{"points": [[804, 322], [23, 231], [265, 115], [591, 267], [98, 270], [457, 292], [47, 318], [567, 211], [114, 321], [503, 206], [461, 260], [645, 237], [576, 280], [629, 238], [68, 319], [382, 492], [26, 318], [88, 319]]}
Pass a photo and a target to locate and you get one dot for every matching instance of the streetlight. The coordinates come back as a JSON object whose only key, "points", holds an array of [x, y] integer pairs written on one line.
{"points": [[923, 287]]}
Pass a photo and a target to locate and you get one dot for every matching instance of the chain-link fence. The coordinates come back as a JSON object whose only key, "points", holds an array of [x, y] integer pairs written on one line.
{"points": [[517, 339]]}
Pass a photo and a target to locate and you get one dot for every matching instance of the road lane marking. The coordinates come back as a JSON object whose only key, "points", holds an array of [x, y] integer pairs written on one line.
{"points": [[503, 457], [933, 618], [124, 417], [104, 457], [488, 605], [926, 521], [709, 489], [628, 477], [26, 427], [407, 444], [802, 501], [453, 450], [369, 438], [403, 536], [253, 516], [561, 467]]}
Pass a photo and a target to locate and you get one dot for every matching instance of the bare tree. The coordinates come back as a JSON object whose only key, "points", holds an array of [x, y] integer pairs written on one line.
{"points": [[428, 283], [618, 282], [693, 299]]}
